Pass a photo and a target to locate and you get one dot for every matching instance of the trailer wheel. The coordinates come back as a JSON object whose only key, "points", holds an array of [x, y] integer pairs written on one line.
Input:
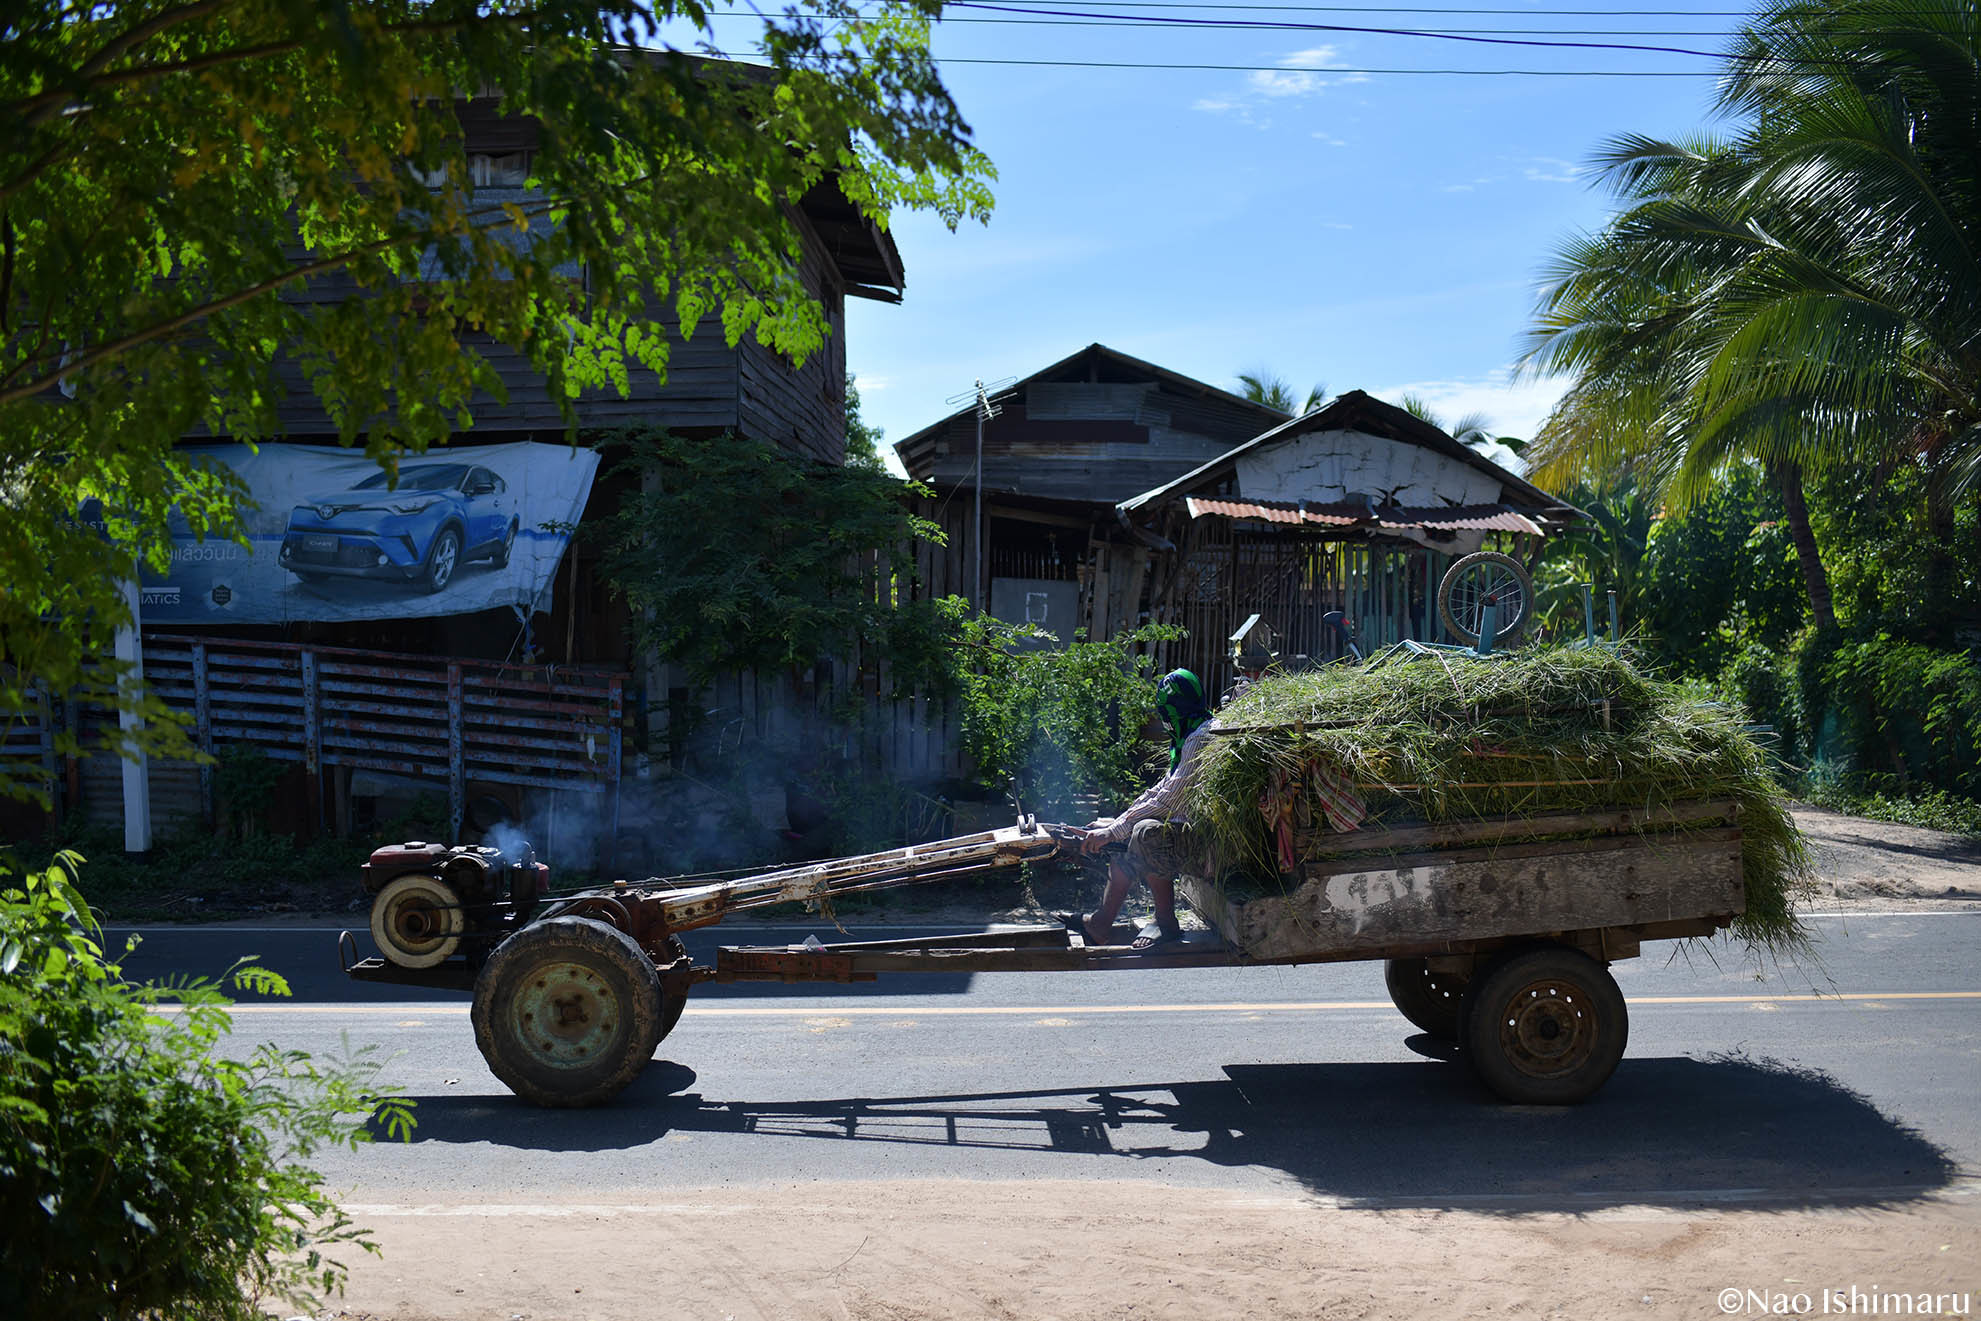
{"points": [[567, 1012], [1428, 999], [1545, 1026]]}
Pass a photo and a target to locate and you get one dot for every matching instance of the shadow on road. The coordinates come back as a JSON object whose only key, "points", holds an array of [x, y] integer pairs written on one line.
{"points": [[1664, 1131]]}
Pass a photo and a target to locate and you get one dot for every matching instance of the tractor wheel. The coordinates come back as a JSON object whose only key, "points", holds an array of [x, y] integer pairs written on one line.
{"points": [[417, 921], [1428, 999], [567, 1012], [1544, 1026]]}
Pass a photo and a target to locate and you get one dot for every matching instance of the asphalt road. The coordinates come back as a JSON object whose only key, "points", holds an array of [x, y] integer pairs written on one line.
{"points": [[1855, 1083]]}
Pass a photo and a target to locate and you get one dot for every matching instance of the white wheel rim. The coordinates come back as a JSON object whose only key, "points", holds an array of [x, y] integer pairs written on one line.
{"points": [[417, 922]]}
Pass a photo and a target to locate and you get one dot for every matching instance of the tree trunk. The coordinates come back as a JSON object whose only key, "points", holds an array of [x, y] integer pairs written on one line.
{"points": [[1940, 556], [1815, 577]]}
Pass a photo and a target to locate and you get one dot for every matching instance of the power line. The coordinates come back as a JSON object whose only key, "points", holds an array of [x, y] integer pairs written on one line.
{"points": [[1240, 23], [1282, 68]]}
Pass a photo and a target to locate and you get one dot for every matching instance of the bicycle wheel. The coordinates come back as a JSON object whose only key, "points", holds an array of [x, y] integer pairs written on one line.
{"points": [[1480, 577]]}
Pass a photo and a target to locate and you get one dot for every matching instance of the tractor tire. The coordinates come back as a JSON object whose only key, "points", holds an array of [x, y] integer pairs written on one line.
{"points": [[567, 1012]]}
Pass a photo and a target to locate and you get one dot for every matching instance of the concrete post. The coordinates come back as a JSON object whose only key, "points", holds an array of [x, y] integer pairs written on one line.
{"points": [[137, 780]]}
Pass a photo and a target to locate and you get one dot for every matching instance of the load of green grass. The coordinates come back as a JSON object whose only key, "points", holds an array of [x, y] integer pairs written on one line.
{"points": [[1525, 733]]}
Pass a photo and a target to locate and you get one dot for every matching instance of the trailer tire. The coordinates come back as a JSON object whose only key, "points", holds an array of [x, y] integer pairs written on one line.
{"points": [[1544, 1026], [1430, 1000], [567, 1012]]}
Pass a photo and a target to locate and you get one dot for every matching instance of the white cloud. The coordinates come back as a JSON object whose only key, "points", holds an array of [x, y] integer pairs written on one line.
{"points": [[1300, 75], [1548, 169], [1511, 407], [1313, 55], [1268, 82], [1328, 138]]}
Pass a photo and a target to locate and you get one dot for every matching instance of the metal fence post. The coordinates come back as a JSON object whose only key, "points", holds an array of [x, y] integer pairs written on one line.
{"points": [[312, 741], [203, 732], [457, 789]]}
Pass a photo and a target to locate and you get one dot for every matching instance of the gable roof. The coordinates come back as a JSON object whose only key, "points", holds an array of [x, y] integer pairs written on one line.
{"points": [[1359, 411], [919, 448]]}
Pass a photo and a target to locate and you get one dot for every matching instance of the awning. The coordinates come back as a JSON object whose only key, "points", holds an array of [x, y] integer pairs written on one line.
{"points": [[1373, 518]]}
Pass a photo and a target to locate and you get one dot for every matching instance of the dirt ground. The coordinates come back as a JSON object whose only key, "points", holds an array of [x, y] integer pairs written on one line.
{"points": [[1133, 1252], [1861, 861]]}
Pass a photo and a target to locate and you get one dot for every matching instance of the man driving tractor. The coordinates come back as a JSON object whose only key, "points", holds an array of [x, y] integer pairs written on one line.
{"points": [[1152, 833]]}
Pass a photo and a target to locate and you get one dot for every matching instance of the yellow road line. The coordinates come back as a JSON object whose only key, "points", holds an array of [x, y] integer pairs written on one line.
{"points": [[417, 1009]]}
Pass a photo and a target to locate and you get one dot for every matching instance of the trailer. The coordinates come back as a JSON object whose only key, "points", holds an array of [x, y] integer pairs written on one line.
{"points": [[1497, 934]]}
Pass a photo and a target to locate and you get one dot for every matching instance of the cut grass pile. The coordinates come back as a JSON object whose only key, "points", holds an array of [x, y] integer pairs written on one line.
{"points": [[1540, 730]]}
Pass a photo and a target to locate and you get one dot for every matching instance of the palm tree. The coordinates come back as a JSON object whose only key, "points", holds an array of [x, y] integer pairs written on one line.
{"points": [[1473, 429], [1263, 387], [1804, 294]]}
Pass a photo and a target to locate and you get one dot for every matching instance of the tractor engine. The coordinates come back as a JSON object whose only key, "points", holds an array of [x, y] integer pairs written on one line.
{"points": [[431, 901]]}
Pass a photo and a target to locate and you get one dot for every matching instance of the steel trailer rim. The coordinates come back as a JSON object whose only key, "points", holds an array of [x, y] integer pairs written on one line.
{"points": [[1549, 1028]]}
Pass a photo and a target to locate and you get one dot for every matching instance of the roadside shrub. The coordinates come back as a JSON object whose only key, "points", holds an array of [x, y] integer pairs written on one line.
{"points": [[1761, 682], [142, 1173], [1935, 809], [1908, 711], [1054, 725]]}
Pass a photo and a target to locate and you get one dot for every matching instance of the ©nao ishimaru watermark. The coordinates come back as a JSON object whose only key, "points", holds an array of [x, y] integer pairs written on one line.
{"points": [[1849, 1300]]}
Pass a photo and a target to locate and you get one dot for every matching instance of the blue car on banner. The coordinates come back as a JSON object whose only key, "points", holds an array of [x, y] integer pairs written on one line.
{"points": [[439, 516]]}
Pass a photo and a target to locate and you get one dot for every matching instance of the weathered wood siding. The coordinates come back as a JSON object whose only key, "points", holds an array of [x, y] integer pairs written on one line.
{"points": [[701, 392], [802, 408], [1092, 440]]}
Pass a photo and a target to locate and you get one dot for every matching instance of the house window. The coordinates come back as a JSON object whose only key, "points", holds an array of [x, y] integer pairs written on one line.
{"points": [[507, 169], [488, 169]]}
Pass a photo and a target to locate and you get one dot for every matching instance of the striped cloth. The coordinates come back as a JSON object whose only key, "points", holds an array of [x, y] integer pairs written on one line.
{"points": [[1291, 799]]}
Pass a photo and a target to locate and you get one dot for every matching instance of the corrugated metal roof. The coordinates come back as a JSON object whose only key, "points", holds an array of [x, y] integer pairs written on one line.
{"points": [[1468, 518], [1455, 518], [1279, 511]]}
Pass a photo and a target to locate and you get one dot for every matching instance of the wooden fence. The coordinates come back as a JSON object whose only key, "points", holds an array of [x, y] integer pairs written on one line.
{"points": [[445, 721]]}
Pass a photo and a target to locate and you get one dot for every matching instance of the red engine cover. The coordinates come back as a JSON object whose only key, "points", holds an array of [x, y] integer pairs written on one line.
{"points": [[395, 859]]}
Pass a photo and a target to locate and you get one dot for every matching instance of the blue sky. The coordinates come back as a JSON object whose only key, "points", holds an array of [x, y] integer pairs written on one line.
{"points": [[1374, 231]]}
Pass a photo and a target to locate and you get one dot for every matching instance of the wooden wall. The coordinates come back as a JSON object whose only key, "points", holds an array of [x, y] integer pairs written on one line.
{"points": [[1101, 441]]}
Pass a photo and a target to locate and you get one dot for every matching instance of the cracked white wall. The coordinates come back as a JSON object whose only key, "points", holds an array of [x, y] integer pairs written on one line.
{"points": [[1345, 465]]}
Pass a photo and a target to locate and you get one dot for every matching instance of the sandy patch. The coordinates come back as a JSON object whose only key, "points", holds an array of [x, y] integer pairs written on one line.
{"points": [[1133, 1251], [1862, 863]]}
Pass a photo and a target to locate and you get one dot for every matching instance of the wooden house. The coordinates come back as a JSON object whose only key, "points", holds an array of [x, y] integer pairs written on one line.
{"points": [[1359, 507], [1066, 445], [573, 692]]}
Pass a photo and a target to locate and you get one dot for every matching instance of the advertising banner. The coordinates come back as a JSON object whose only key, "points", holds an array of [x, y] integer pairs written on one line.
{"points": [[463, 529]]}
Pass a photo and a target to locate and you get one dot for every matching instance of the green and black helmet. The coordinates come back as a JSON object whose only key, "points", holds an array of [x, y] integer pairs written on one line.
{"points": [[1180, 702]]}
